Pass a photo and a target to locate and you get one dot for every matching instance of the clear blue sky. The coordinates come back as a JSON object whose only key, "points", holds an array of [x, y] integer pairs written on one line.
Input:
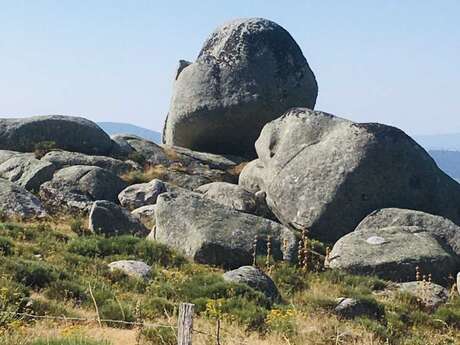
{"points": [[393, 61]]}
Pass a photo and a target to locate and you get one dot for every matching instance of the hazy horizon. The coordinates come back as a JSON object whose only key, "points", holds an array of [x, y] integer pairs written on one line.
{"points": [[114, 61]]}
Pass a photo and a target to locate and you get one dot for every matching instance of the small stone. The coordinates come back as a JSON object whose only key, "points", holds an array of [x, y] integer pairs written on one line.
{"points": [[132, 268]]}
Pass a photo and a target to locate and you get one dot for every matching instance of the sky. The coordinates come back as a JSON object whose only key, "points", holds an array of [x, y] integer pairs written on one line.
{"points": [[394, 61]]}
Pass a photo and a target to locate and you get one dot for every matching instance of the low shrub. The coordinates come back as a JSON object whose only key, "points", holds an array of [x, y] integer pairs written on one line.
{"points": [[158, 336], [69, 341], [34, 274], [117, 311], [6, 246]]}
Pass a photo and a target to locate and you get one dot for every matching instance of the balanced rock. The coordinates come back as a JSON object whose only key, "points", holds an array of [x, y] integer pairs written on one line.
{"points": [[62, 159], [141, 194], [110, 219], [137, 269], [248, 73], [27, 171], [325, 174], [146, 214], [393, 253], [211, 233], [75, 188], [65, 132], [256, 279], [17, 202]]}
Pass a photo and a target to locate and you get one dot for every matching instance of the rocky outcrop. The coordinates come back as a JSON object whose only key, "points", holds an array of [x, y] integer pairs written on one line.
{"points": [[62, 159], [141, 194], [18, 203], [256, 279], [110, 219], [248, 73], [211, 233], [137, 269], [75, 188], [443, 229], [65, 132], [393, 253], [27, 171], [146, 214], [325, 174]]}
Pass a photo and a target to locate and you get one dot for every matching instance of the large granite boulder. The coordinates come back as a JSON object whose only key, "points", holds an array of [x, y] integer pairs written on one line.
{"points": [[255, 278], [141, 194], [75, 188], [350, 308], [394, 253], [66, 132], [443, 229], [62, 159], [211, 233], [27, 171], [325, 174], [110, 219], [18, 203], [248, 73]]}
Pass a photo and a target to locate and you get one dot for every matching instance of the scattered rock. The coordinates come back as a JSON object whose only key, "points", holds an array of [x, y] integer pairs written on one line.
{"points": [[62, 159], [256, 279], [350, 308], [16, 202], [446, 231], [141, 194], [146, 214], [211, 233], [110, 219], [430, 295], [248, 73], [131, 268], [393, 253], [27, 171], [69, 133], [75, 188], [325, 174]]}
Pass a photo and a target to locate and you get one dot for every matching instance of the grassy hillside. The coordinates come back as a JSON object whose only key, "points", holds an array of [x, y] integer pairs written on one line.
{"points": [[53, 268]]}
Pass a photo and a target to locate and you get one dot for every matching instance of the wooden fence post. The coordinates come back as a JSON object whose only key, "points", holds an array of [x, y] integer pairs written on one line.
{"points": [[185, 324]]}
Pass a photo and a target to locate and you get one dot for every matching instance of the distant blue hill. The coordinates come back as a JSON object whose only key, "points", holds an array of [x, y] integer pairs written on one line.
{"points": [[126, 128], [439, 141]]}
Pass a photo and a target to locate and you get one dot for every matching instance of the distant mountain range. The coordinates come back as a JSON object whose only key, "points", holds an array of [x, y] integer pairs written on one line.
{"points": [[439, 141], [444, 148], [127, 128]]}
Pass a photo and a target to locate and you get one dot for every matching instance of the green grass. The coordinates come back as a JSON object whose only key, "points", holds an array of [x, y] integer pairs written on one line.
{"points": [[48, 269], [68, 341]]}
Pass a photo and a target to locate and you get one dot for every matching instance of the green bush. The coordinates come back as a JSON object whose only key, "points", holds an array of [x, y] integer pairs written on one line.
{"points": [[78, 226], [113, 310], [34, 274], [289, 279], [159, 336], [6, 246], [67, 290], [155, 307], [450, 313]]}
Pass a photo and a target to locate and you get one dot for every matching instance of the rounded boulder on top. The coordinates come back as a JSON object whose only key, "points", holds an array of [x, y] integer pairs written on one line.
{"points": [[248, 73]]}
